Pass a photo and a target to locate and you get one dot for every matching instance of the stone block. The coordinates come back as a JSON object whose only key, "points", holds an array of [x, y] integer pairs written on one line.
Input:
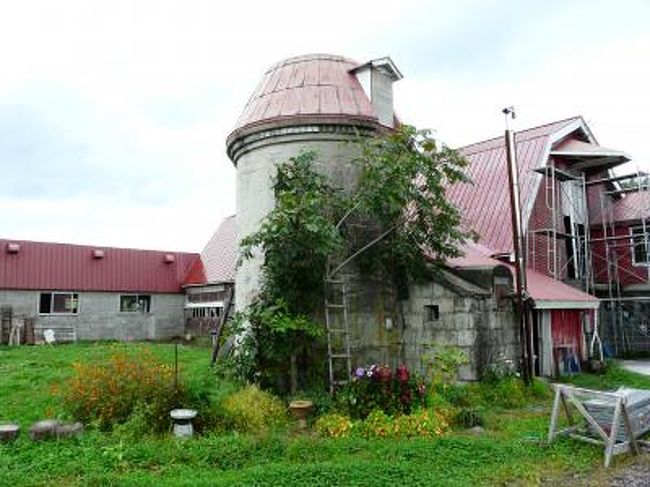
{"points": [[9, 432], [69, 430], [44, 430], [466, 338]]}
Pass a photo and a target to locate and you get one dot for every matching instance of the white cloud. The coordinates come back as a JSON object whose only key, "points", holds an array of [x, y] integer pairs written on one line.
{"points": [[116, 113]]}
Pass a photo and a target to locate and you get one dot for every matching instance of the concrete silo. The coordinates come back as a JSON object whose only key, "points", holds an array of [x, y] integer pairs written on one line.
{"points": [[313, 102]]}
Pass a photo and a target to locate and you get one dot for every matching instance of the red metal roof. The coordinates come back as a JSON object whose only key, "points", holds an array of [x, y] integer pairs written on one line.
{"points": [[219, 257], [485, 203], [474, 255], [545, 291], [632, 207], [311, 86], [57, 266]]}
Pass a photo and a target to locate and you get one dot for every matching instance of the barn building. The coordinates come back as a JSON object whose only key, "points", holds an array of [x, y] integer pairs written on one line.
{"points": [[88, 293], [319, 102], [586, 241]]}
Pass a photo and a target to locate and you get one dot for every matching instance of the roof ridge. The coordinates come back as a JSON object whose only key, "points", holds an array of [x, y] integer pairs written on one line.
{"points": [[521, 132], [93, 246]]}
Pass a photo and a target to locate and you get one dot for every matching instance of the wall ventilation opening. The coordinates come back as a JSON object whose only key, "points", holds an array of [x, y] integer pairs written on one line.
{"points": [[13, 248], [432, 312]]}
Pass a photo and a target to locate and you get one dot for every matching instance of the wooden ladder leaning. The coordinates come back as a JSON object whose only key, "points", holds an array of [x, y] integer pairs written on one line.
{"points": [[338, 333], [215, 332]]}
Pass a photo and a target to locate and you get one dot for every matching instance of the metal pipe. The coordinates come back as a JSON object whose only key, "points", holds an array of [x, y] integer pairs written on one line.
{"points": [[520, 262]]}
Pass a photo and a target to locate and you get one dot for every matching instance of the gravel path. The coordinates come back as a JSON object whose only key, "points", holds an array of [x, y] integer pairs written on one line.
{"points": [[635, 475], [638, 366], [631, 472]]}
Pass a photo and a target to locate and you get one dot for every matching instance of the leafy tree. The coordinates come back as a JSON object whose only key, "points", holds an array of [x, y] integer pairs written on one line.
{"points": [[404, 175], [296, 238], [298, 235], [399, 199]]}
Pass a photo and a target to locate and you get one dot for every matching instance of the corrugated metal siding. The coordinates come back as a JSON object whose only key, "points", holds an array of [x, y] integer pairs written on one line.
{"points": [[628, 273], [594, 197], [633, 206], [41, 266], [538, 243], [566, 330]]}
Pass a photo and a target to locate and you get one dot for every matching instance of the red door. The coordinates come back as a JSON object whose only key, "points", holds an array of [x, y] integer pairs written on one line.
{"points": [[566, 331]]}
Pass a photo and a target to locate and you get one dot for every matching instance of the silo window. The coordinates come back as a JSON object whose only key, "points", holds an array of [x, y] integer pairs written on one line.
{"points": [[431, 312]]}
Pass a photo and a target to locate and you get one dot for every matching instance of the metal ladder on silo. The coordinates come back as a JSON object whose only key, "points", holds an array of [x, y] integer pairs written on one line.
{"points": [[338, 333]]}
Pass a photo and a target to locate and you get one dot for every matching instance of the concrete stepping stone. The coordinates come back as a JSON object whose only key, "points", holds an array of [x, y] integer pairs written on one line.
{"points": [[69, 430], [9, 432], [44, 430]]}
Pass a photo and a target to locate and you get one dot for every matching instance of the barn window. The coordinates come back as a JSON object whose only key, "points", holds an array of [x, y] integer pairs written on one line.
{"points": [[640, 246], [431, 312], [132, 303], [58, 303]]}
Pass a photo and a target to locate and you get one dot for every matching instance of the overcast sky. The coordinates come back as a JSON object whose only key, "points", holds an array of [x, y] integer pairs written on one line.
{"points": [[114, 114]]}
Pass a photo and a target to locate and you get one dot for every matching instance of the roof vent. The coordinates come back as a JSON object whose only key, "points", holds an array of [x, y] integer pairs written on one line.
{"points": [[169, 258], [98, 254], [13, 248], [376, 78]]}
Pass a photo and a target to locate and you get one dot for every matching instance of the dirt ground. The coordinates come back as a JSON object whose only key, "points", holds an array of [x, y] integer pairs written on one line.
{"points": [[626, 472]]}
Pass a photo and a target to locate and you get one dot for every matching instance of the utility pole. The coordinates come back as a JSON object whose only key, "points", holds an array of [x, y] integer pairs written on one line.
{"points": [[522, 311]]}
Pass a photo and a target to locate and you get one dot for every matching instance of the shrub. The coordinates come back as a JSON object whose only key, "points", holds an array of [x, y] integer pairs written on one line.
{"points": [[443, 362], [506, 393], [376, 387], [333, 425], [108, 393], [253, 410], [501, 369], [469, 417], [540, 389], [424, 422]]}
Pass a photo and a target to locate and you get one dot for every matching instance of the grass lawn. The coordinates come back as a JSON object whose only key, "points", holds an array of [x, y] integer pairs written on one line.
{"points": [[510, 451]]}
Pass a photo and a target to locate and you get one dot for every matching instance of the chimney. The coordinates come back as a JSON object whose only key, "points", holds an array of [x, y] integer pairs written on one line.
{"points": [[376, 78]]}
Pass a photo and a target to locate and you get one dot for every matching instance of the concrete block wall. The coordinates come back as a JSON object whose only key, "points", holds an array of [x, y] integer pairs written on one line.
{"points": [[99, 316], [473, 324]]}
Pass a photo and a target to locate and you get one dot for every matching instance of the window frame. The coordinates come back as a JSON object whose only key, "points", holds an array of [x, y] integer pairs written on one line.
{"points": [[137, 296], [634, 245], [71, 294]]}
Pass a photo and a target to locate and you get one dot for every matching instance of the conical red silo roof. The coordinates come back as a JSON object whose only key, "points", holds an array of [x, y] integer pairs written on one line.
{"points": [[309, 88]]}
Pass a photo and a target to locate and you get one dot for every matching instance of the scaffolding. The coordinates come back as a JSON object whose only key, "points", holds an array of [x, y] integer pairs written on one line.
{"points": [[565, 197], [628, 329], [568, 222]]}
